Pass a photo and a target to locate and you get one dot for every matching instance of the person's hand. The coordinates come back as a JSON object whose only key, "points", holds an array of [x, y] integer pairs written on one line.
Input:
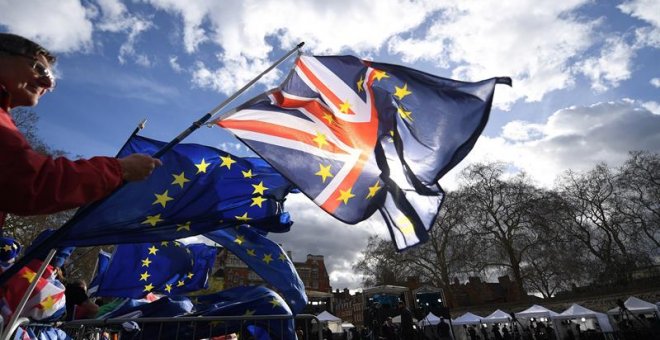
{"points": [[137, 166]]}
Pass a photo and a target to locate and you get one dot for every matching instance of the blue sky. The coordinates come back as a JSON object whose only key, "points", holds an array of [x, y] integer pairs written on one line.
{"points": [[586, 77]]}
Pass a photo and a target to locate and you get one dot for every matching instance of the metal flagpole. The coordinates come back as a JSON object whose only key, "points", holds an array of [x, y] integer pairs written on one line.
{"points": [[196, 125], [9, 328], [60, 233]]}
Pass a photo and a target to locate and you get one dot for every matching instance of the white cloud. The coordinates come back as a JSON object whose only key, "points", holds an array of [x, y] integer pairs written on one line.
{"points": [[60, 26], [533, 42], [233, 74], [174, 64], [248, 31], [611, 67], [573, 138], [116, 19], [655, 82], [647, 10], [652, 106], [315, 232]]}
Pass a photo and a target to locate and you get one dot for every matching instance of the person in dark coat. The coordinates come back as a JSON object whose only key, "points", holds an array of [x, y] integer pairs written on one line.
{"points": [[407, 330]]}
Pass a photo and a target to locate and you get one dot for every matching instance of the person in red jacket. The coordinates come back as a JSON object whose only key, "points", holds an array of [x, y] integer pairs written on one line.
{"points": [[32, 183]]}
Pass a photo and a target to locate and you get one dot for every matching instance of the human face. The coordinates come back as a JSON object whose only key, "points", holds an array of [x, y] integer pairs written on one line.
{"points": [[25, 78]]}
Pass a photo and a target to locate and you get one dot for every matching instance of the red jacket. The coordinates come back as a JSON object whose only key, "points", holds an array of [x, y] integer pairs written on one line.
{"points": [[33, 184]]}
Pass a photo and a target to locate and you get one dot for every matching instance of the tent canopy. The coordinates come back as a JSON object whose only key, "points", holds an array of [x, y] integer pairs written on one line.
{"points": [[576, 311], [536, 311], [467, 319], [397, 319], [430, 319], [497, 316], [636, 306], [325, 316]]}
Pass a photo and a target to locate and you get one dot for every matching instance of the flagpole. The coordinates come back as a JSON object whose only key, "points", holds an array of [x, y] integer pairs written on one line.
{"points": [[9, 328], [196, 125], [63, 230]]}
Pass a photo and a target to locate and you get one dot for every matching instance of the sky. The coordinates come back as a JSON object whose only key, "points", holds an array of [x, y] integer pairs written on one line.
{"points": [[586, 78]]}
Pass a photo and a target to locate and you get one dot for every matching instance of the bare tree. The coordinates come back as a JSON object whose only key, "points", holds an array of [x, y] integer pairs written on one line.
{"points": [[639, 203], [502, 212], [593, 199]]}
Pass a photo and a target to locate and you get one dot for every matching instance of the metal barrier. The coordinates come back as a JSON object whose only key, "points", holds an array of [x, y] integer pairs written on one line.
{"points": [[202, 327]]}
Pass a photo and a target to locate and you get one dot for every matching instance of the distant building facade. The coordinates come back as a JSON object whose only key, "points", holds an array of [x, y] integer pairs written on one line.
{"points": [[476, 292]]}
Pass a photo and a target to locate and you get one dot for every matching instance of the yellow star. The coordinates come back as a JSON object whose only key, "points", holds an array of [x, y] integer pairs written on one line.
{"points": [[239, 239], [403, 113], [374, 189], [259, 188], [249, 312], [320, 140], [243, 218], [345, 107], [251, 252], [360, 84], [201, 167], [405, 225], [180, 283], [401, 92], [153, 250], [282, 257], [180, 179], [148, 288], [275, 302], [168, 287], [162, 198], [152, 220], [324, 172], [258, 200], [7, 248], [146, 262], [345, 195], [267, 258], [144, 276], [379, 75], [164, 243], [48, 302], [329, 117], [190, 275], [247, 174], [29, 275], [227, 161], [185, 226]]}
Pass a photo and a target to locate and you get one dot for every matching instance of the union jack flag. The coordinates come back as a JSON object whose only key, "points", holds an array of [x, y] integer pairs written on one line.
{"points": [[356, 136], [46, 303]]}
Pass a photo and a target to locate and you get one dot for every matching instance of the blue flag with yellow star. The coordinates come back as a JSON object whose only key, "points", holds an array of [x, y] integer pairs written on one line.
{"points": [[167, 267], [267, 259], [247, 301], [357, 136], [196, 190]]}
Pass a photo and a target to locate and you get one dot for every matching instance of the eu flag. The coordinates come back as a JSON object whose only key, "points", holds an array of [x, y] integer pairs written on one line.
{"points": [[267, 259], [197, 189], [247, 301], [358, 136], [167, 267]]}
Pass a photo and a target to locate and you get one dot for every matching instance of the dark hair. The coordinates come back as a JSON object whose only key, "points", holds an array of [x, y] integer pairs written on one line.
{"points": [[15, 44]]}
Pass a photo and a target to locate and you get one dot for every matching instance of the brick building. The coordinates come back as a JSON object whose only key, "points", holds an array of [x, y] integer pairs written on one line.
{"points": [[476, 292]]}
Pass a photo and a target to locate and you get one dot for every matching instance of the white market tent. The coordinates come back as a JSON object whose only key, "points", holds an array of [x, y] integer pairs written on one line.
{"points": [[397, 319], [536, 311], [334, 323], [497, 317], [467, 319], [636, 306], [430, 319], [576, 311]]}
